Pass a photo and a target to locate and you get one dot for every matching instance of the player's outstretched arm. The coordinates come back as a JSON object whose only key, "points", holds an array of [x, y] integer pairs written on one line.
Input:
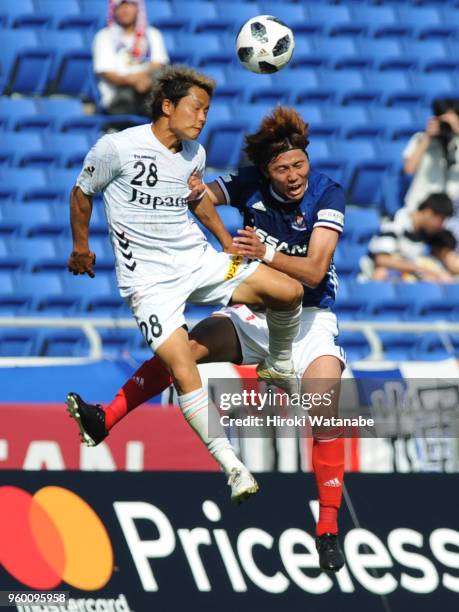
{"points": [[204, 210], [82, 259]]}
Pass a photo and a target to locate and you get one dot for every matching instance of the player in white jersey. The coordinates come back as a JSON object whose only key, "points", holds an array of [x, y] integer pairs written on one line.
{"points": [[163, 259]]}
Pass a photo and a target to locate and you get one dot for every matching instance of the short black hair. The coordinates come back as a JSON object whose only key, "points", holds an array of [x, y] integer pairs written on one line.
{"points": [[173, 83], [444, 239], [443, 105], [439, 203]]}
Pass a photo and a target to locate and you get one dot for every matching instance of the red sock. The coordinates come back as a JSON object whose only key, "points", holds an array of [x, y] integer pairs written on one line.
{"points": [[146, 382], [328, 465]]}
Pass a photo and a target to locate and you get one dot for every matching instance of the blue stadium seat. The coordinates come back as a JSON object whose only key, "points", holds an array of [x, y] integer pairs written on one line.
{"points": [[373, 16], [71, 148], [18, 180], [398, 347], [40, 288], [337, 50], [224, 145], [118, 341], [422, 299], [431, 347], [75, 76], [291, 14], [34, 252], [336, 169], [327, 14], [355, 345], [318, 149], [12, 109], [239, 79], [61, 42], [17, 343], [434, 85], [252, 113], [425, 50], [9, 11], [365, 185], [393, 118], [378, 300], [26, 217], [236, 13], [352, 152], [419, 16], [30, 73], [205, 42], [311, 113], [62, 343], [361, 224], [364, 301], [14, 42]]}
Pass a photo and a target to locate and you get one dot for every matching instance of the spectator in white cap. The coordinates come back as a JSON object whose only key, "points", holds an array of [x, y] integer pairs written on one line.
{"points": [[126, 54]]}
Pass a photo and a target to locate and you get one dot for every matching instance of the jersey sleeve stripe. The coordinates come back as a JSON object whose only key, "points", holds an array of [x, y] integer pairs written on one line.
{"points": [[221, 184], [331, 224]]}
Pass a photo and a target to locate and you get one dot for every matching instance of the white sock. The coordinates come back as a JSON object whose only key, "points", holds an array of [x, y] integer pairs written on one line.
{"points": [[283, 326], [195, 409]]}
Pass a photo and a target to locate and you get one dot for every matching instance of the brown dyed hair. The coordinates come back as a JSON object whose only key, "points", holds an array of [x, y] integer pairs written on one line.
{"points": [[173, 83], [282, 130]]}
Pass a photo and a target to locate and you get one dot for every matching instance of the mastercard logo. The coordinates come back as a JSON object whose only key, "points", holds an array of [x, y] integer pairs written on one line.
{"points": [[53, 536]]}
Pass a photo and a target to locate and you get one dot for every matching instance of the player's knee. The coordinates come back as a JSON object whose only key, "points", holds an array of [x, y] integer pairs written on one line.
{"points": [[293, 294], [198, 350], [182, 375]]}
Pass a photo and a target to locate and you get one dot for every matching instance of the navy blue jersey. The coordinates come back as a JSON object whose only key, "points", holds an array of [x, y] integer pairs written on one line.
{"points": [[288, 226]]}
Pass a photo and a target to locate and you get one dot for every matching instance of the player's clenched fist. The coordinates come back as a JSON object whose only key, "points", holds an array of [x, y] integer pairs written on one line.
{"points": [[82, 262]]}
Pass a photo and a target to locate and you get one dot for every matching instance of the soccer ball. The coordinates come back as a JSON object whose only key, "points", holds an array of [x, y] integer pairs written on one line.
{"points": [[264, 44]]}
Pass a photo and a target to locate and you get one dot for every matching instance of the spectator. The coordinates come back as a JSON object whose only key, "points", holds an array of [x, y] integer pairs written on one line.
{"points": [[443, 247], [400, 250], [126, 54], [433, 156]]}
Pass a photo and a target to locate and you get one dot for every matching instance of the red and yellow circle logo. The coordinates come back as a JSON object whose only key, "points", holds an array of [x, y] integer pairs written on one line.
{"points": [[53, 536]]}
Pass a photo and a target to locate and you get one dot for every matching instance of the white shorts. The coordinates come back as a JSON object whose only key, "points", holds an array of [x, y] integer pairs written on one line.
{"points": [[159, 308], [316, 337]]}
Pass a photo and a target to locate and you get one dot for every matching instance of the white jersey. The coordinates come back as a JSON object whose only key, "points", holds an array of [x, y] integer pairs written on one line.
{"points": [[145, 189]]}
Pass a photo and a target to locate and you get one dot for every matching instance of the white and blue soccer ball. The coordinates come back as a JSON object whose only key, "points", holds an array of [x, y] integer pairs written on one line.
{"points": [[264, 44]]}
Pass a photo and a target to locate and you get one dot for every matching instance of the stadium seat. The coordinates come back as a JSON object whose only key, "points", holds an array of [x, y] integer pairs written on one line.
{"points": [[252, 113], [71, 148], [365, 184], [26, 217], [425, 50], [318, 150], [335, 169], [238, 12], [224, 145], [423, 300], [117, 341], [361, 224], [34, 252], [62, 343], [14, 42], [75, 75], [17, 343], [433, 347], [30, 73], [59, 107], [9, 11], [398, 347], [354, 344]]}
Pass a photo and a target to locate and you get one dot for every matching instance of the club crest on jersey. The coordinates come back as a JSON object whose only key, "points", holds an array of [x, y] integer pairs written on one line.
{"points": [[299, 223]]}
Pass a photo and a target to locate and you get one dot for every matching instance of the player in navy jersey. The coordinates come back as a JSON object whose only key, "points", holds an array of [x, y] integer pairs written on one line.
{"points": [[293, 217]]}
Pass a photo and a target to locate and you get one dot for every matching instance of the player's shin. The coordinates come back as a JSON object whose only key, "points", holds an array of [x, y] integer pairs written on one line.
{"points": [[283, 328], [195, 407], [328, 465], [146, 382]]}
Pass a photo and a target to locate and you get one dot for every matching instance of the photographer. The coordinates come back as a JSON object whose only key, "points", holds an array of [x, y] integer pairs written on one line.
{"points": [[433, 156]]}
